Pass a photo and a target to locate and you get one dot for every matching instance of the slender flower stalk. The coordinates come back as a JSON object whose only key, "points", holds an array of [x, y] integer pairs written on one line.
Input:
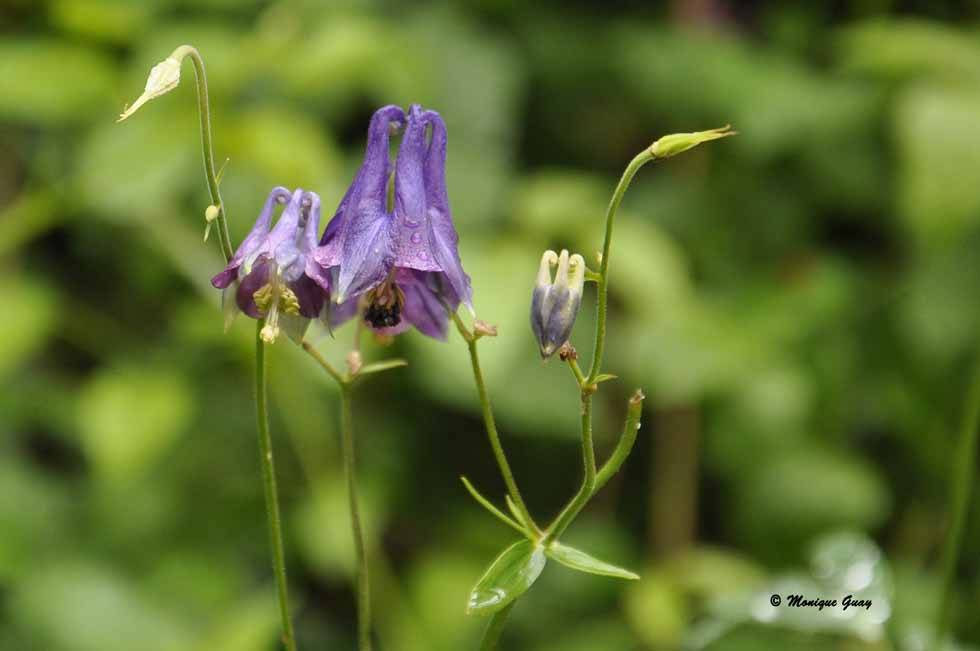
{"points": [[271, 493], [345, 382], [207, 149], [962, 480], [552, 316], [362, 577], [489, 421], [163, 78], [626, 440], [603, 293], [587, 489]]}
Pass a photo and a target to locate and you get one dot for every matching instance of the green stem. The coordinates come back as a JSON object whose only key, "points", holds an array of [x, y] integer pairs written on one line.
{"points": [[494, 629], [963, 478], [271, 495], [490, 424], [626, 441], [205, 113], [602, 295], [324, 364], [363, 587], [587, 488], [577, 372]]}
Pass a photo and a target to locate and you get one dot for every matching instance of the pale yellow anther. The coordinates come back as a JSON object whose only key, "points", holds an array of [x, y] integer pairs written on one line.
{"points": [[263, 297], [269, 333]]}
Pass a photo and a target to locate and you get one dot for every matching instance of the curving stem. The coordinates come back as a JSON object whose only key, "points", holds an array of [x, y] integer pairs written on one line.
{"points": [[362, 579], [602, 295], [490, 423], [269, 481], [207, 149]]}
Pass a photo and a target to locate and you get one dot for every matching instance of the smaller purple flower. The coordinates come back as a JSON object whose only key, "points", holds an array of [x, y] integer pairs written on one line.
{"points": [[401, 262], [554, 304], [273, 274]]}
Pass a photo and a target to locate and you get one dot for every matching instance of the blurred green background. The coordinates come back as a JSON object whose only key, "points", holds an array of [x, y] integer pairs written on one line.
{"points": [[798, 303]]}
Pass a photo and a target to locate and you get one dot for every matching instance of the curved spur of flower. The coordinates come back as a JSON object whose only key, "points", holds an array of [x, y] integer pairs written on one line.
{"points": [[409, 270], [443, 237], [357, 240], [273, 274]]}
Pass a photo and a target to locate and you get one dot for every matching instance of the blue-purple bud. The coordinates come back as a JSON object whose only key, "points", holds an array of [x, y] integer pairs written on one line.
{"points": [[554, 304]]}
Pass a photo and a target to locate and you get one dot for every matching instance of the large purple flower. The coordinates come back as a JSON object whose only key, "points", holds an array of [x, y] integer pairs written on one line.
{"points": [[402, 262], [273, 274]]}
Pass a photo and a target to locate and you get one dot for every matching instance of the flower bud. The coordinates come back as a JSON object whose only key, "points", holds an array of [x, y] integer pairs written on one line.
{"points": [[163, 78], [676, 143], [554, 305], [210, 215]]}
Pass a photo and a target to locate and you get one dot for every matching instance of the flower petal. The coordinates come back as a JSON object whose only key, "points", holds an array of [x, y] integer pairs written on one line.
{"points": [[245, 296], [253, 241], [425, 311], [364, 239], [442, 234], [281, 244], [337, 314], [310, 295], [411, 238], [367, 192]]}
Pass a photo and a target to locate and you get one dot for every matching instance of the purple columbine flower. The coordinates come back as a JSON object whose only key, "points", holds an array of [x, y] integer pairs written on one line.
{"points": [[273, 274], [402, 263]]}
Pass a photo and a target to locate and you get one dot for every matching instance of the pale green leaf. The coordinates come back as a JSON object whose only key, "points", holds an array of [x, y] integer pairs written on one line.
{"points": [[378, 367], [579, 560], [510, 575], [488, 505]]}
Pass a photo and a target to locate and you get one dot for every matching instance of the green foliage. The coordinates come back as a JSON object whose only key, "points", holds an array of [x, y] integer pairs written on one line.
{"points": [[507, 578], [579, 560]]}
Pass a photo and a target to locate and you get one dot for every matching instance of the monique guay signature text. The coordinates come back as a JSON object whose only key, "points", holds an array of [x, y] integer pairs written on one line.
{"points": [[799, 601]]}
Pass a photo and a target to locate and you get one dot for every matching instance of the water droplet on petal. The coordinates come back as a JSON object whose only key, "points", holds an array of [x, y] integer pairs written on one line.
{"points": [[411, 223], [416, 238], [423, 255]]}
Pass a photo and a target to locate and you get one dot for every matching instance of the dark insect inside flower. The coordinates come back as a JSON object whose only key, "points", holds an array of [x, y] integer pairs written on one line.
{"points": [[384, 306]]}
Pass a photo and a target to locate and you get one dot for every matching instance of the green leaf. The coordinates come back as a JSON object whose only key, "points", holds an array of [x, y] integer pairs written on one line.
{"points": [[603, 377], [378, 367], [579, 560], [510, 575], [488, 505]]}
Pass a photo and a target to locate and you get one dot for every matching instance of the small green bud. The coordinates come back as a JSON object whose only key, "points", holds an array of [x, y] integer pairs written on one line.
{"points": [[210, 214], [676, 143]]}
